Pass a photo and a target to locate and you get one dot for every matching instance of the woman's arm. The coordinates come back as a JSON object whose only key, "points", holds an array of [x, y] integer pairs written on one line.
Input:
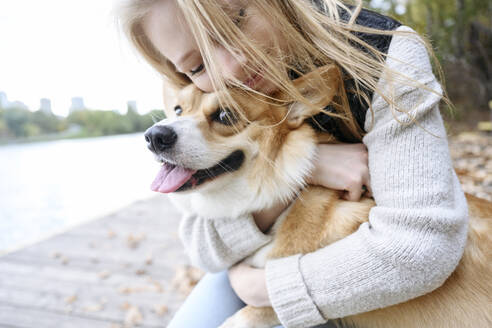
{"points": [[415, 235], [216, 244]]}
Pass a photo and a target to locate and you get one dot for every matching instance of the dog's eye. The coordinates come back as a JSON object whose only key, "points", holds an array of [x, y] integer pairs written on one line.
{"points": [[224, 116], [178, 110]]}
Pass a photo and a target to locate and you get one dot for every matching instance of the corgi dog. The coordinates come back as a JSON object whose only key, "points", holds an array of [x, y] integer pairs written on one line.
{"points": [[226, 162]]}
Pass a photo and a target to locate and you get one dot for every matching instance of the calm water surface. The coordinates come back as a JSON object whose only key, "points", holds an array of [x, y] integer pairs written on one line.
{"points": [[50, 186]]}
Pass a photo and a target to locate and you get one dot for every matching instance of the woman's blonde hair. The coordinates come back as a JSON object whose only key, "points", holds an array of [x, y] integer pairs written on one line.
{"points": [[313, 33]]}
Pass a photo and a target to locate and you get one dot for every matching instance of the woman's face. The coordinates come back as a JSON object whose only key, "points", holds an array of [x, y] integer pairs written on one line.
{"points": [[167, 30]]}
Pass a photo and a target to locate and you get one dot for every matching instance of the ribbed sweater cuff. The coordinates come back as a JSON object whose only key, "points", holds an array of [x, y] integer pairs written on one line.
{"points": [[241, 235], [288, 294]]}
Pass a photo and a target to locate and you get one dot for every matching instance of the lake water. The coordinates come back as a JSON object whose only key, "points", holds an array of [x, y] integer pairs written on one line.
{"points": [[50, 186]]}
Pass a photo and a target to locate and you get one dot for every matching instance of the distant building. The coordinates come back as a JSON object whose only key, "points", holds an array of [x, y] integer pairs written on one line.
{"points": [[131, 105], [4, 102], [77, 104], [45, 106]]}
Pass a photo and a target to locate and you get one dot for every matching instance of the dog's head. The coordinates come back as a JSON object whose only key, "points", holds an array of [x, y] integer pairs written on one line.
{"points": [[234, 160]]}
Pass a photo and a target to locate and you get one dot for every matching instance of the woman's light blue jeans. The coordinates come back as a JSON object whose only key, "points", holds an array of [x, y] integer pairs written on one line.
{"points": [[210, 303]]}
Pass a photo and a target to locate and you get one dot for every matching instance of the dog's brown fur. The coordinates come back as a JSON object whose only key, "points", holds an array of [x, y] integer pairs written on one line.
{"points": [[320, 217]]}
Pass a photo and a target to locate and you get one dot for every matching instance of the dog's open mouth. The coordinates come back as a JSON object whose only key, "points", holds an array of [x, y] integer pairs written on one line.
{"points": [[173, 178]]}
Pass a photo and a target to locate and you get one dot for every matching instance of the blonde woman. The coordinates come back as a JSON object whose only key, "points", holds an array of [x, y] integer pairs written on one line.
{"points": [[416, 233]]}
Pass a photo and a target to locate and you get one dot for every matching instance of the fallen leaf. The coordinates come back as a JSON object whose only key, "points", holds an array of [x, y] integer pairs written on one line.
{"points": [[104, 274], [133, 316], [160, 309], [70, 299]]}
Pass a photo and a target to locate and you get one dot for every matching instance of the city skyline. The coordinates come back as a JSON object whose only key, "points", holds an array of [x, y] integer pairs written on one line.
{"points": [[77, 103]]}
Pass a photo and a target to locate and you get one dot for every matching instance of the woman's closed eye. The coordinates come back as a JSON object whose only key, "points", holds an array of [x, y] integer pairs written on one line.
{"points": [[197, 69]]}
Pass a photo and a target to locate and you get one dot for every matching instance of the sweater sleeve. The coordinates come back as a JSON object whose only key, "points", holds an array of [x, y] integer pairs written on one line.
{"points": [[216, 244], [416, 233]]}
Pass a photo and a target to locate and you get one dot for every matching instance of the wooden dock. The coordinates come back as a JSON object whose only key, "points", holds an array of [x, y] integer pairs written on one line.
{"points": [[116, 271]]}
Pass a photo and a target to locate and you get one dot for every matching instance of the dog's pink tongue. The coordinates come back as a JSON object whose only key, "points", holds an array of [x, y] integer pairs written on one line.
{"points": [[171, 178]]}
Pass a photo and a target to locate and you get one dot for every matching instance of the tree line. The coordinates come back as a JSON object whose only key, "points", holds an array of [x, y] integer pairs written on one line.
{"points": [[461, 34], [20, 123]]}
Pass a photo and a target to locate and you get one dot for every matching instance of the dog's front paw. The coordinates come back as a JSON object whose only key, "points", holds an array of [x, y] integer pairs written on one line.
{"points": [[236, 322], [251, 317]]}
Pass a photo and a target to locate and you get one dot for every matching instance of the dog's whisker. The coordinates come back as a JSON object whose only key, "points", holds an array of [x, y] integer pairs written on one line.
{"points": [[155, 118]]}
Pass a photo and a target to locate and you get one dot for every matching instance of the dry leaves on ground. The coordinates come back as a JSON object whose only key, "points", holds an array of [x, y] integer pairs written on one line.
{"points": [[472, 160], [186, 278]]}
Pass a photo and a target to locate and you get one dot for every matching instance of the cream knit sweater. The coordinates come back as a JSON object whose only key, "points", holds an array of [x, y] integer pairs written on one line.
{"points": [[415, 235]]}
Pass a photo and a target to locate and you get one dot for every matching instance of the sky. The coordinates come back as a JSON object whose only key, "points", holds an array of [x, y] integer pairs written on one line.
{"points": [[59, 49]]}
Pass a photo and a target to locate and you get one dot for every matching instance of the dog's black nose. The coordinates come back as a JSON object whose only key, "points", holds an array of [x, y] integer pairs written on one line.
{"points": [[160, 138]]}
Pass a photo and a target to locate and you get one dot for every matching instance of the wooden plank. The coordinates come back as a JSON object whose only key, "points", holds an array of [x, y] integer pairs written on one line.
{"points": [[110, 307], [70, 279], [35, 318], [98, 302], [49, 290], [112, 257], [135, 242], [124, 261]]}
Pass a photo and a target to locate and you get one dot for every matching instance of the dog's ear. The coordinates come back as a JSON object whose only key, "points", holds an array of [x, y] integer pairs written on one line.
{"points": [[319, 88]]}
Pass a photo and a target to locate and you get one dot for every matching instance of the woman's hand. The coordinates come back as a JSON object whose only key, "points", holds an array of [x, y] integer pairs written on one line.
{"points": [[342, 167], [264, 219], [249, 284]]}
